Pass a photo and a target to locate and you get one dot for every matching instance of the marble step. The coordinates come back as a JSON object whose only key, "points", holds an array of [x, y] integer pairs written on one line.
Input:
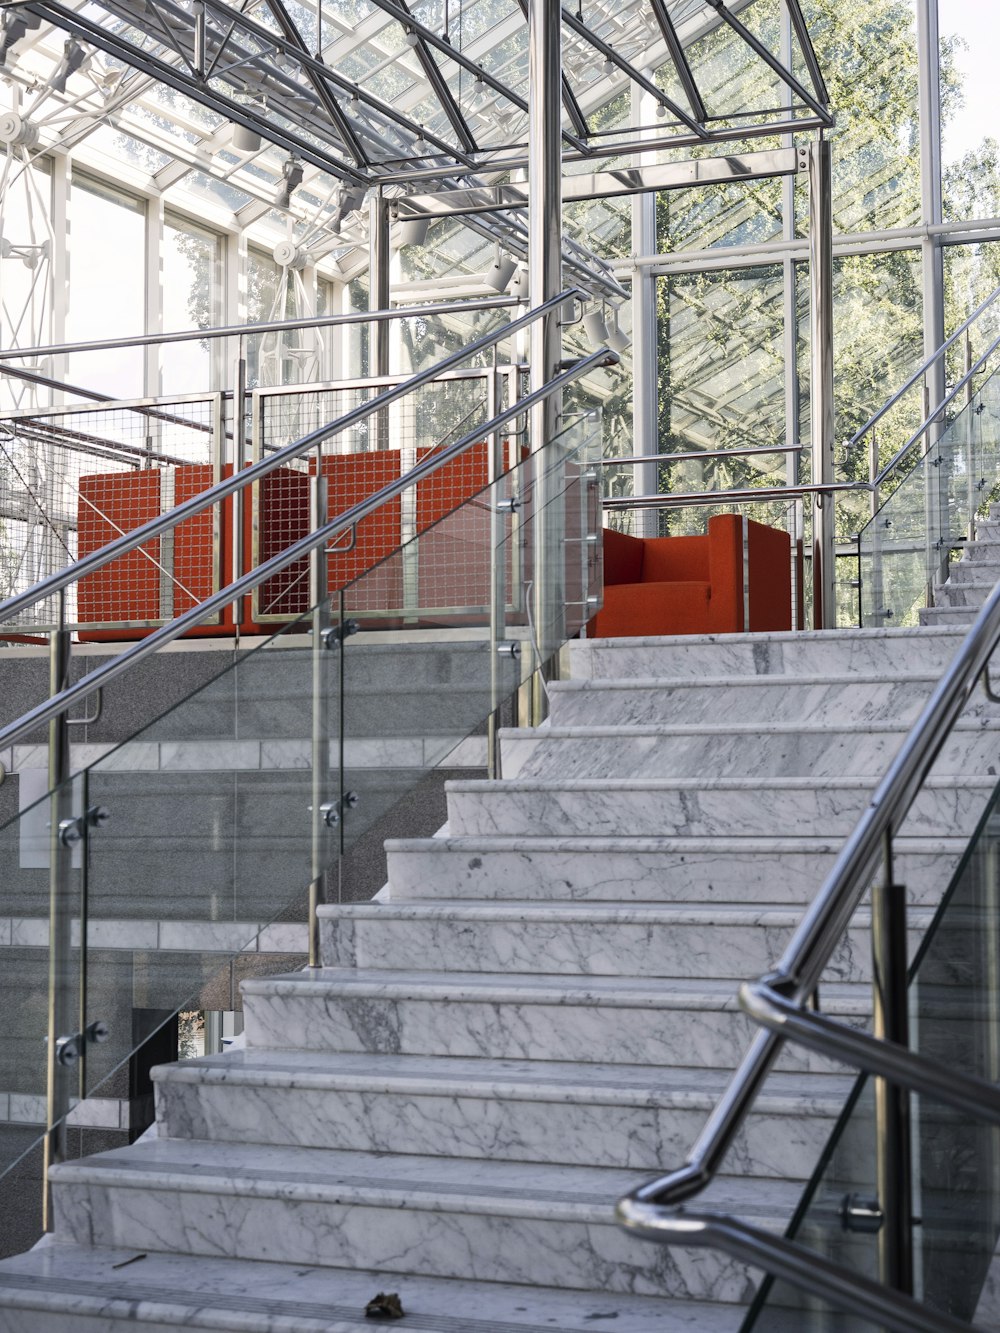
{"points": [[738, 869], [736, 749], [974, 571], [814, 699], [438, 1217], [964, 593], [512, 1016], [985, 549], [623, 807], [689, 941], [510, 1110], [790, 653], [933, 616], [70, 1288]]}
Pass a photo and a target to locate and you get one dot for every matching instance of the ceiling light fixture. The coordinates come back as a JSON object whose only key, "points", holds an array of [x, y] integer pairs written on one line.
{"points": [[74, 58], [292, 171], [500, 272], [596, 328], [245, 140], [14, 24], [413, 231], [617, 338]]}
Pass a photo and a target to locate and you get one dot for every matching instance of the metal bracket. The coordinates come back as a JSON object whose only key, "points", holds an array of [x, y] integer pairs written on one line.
{"points": [[72, 831], [990, 693], [508, 506], [336, 634], [333, 810], [69, 1049], [334, 549], [93, 717], [861, 1213], [509, 648]]}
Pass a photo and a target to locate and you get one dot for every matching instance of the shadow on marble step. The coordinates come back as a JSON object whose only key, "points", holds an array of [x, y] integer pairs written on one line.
{"points": [[83, 1289], [457, 1218], [739, 869], [684, 941], [604, 1020], [971, 595], [792, 653], [717, 699], [666, 807], [531, 1111], [959, 616], [736, 750]]}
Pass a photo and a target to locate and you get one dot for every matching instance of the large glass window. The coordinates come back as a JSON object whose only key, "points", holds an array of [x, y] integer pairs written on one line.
{"points": [[107, 286], [26, 289], [191, 293], [970, 30]]}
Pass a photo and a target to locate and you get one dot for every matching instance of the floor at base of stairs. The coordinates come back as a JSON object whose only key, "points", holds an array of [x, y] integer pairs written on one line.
{"points": [[89, 1291]]}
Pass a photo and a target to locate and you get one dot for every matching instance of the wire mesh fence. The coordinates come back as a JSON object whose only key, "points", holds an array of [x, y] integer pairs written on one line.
{"points": [[73, 479], [357, 463]]}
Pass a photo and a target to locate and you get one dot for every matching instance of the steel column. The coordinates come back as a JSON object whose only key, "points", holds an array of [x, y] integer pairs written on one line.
{"points": [[645, 404], [821, 379], [61, 1082], [892, 1102], [378, 282], [320, 709], [545, 282]]}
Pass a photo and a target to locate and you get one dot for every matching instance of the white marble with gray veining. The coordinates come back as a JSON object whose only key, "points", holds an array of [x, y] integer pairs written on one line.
{"points": [[739, 869], [612, 1020], [446, 1217], [709, 808], [689, 941], [70, 1288]]}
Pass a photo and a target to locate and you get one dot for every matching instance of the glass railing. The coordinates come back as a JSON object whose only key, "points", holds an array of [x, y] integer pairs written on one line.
{"points": [[905, 548], [188, 851], [955, 1020]]}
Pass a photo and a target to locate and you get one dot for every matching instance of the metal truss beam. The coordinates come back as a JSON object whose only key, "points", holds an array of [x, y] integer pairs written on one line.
{"points": [[320, 87], [570, 104], [677, 54], [433, 39], [611, 184], [609, 53], [771, 60], [442, 92]]}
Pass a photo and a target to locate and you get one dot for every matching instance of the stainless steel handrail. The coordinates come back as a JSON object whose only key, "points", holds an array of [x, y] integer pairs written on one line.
{"points": [[116, 666], [677, 498], [921, 370], [268, 326], [240, 480], [798, 972], [804, 1268], [900, 453]]}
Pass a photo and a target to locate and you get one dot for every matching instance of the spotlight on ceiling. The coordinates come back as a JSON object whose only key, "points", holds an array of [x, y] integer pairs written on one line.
{"points": [[245, 140], [617, 338], [292, 178], [500, 272], [596, 329], [413, 231], [520, 287], [74, 58], [14, 24], [412, 38]]}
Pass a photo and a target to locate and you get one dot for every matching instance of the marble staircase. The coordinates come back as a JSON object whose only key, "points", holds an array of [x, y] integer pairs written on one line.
{"points": [[958, 600], [536, 1014]]}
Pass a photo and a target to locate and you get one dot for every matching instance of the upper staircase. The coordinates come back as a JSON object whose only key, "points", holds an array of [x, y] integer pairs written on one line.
{"points": [[537, 1013]]}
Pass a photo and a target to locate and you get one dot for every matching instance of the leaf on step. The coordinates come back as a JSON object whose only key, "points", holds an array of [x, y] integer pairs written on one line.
{"points": [[386, 1305]]}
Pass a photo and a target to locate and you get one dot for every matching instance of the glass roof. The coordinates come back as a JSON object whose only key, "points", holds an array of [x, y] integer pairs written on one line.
{"points": [[304, 107]]}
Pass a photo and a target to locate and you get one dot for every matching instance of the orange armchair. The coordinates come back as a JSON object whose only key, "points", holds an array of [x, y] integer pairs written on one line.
{"points": [[696, 585]]}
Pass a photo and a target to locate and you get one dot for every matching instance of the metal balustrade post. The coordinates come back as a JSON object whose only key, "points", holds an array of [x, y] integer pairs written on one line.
{"points": [[320, 712], [821, 380], [61, 1079], [894, 1172], [544, 282]]}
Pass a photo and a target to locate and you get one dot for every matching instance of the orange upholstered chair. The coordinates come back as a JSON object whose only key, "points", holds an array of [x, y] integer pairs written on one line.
{"points": [[695, 585]]}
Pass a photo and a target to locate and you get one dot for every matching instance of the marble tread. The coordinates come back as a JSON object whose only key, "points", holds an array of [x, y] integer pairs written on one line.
{"points": [[519, 1016], [523, 1110], [84, 1289], [436, 1216], [681, 869], [630, 807], [693, 940]]}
